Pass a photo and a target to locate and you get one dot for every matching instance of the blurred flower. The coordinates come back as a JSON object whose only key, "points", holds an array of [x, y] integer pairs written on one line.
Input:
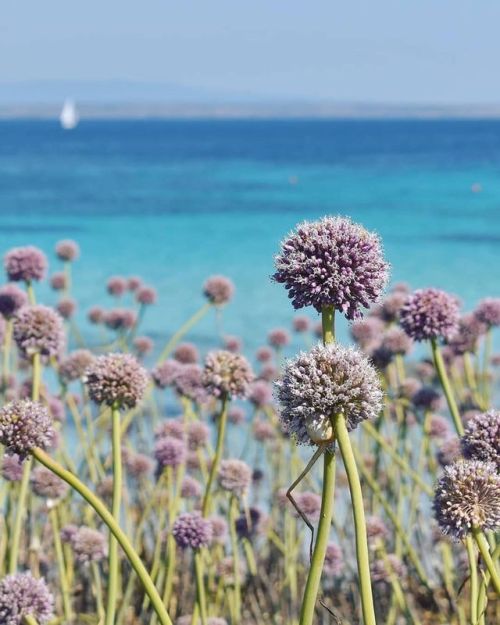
{"points": [[430, 314], [67, 250], [218, 290], [23, 595], [25, 264], [38, 329], [116, 379], [192, 530]]}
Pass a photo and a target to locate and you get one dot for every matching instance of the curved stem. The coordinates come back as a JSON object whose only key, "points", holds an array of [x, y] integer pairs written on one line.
{"points": [[484, 549], [445, 384], [342, 436], [221, 432], [118, 533]]}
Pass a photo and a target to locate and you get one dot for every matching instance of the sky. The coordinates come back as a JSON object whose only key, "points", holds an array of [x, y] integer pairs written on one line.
{"points": [[387, 51]]}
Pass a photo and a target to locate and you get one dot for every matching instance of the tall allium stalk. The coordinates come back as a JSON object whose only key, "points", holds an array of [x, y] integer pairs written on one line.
{"points": [[219, 448]]}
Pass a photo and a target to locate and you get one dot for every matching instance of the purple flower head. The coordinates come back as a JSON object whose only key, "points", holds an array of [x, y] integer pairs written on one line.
{"points": [[116, 379], [46, 484], [233, 344], [188, 383], [120, 319], [219, 529], [323, 382], [146, 295], [251, 523], [67, 250], [58, 281], [449, 452], [12, 298], [38, 329], [383, 569], [427, 398], [301, 324], [397, 342], [25, 264], [171, 427], [488, 312], [192, 530], [332, 262], [278, 338], [226, 374], [73, 367], [12, 468], [309, 503], [116, 286], [66, 307], [236, 415], [263, 431], [367, 332], [138, 465], [235, 476], [468, 496], [89, 545], [381, 357], [133, 283], [23, 595], [191, 488], [376, 529], [391, 306], [67, 533], [439, 427], [96, 315], [186, 354], [143, 345], [264, 354], [164, 374], [334, 562], [24, 425], [430, 314], [481, 440], [170, 452], [218, 290], [198, 434], [260, 394], [56, 408]]}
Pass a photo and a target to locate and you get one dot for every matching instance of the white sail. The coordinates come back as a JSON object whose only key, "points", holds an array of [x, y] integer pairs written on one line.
{"points": [[69, 117]]}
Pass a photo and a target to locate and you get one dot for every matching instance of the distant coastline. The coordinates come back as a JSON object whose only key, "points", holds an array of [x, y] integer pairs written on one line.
{"points": [[252, 110]]}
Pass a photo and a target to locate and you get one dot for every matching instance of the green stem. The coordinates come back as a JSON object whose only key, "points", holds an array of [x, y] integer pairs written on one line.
{"points": [[484, 549], [199, 314], [29, 620], [445, 384], [19, 518], [63, 579], [116, 505], [31, 293], [200, 587], [7, 342], [473, 595], [344, 442], [328, 324], [118, 533], [221, 432], [483, 595], [233, 513]]}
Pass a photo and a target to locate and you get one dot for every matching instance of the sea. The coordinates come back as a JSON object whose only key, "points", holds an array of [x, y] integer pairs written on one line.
{"points": [[177, 201]]}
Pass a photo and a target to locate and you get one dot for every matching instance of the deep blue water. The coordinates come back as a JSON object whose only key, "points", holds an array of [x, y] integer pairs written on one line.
{"points": [[177, 201]]}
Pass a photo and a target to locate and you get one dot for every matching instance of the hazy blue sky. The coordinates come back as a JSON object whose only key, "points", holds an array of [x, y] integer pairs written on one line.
{"points": [[364, 50]]}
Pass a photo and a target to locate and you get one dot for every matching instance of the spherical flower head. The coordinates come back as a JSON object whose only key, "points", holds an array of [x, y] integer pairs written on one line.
{"points": [[323, 382], [25, 264], [236, 415], [263, 431], [198, 434], [481, 440], [233, 344], [219, 529], [58, 281], [146, 295], [488, 312], [143, 345], [133, 283], [67, 533], [12, 468], [278, 338], [186, 354], [67, 250], [301, 324], [170, 452], [449, 452], [439, 427], [89, 545], [397, 342], [188, 382], [468, 497], [391, 306], [116, 379], [367, 333], [235, 476], [427, 398], [120, 319], [309, 503], [218, 290], [192, 530], [138, 465], [191, 488], [264, 354], [164, 374], [23, 595], [430, 314], [96, 315], [24, 425], [383, 569], [46, 484], [73, 367], [38, 329], [12, 298], [334, 562], [226, 374], [116, 286], [171, 427], [66, 307], [332, 262], [466, 338], [376, 529], [260, 393], [251, 523]]}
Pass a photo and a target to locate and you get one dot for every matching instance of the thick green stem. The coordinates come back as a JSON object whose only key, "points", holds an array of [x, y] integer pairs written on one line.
{"points": [[344, 443], [200, 587], [113, 559], [20, 515], [221, 433], [446, 386], [471, 554], [63, 579], [233, 513], [118, 533], [484, 549], [328, 324]]}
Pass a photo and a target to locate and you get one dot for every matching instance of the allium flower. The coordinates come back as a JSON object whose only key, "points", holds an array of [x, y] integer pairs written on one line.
{"points": [[301, 324], [367, 332], [170, 452], [397, 342], [67, 250], [323, 382], [250, 523], [391, 566], [165, 373], [427, 398], [89, 545], [190, 488], [146, 295], [12, 298], [138, 465], [430, 314], [198, 434], [188, 382], [381, 357], [192, 530], [25, 264], [332, 262], [143, 345], [218, 290], [73, 367], [488, 311], [260, 394], [219, 529], [233, 344], [467, 497], [66, 307], [12, 468], [268, 373], [264, 354], [116, 286], [58, 281], [439, 427], [120, 319], [56, 408], [465, 339], [186, 353], [46, 484], [171, 427], [376, 529], [23, 595], [309, 503], [226, 374], [449, 452], [24, 425], [481, 440], [334, 563], [133, 283], [235, 476], [236, 415], [67, 533], [263, 431], [278, 338], [116, 379], [96, 315], [391, 306], [38, 329]]}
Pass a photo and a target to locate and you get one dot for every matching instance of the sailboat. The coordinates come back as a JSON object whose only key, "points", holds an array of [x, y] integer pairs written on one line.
{"points": [[69, 117]]}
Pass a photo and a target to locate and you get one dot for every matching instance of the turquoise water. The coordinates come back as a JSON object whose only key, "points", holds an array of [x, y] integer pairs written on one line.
{"points": [[177, 201]]}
